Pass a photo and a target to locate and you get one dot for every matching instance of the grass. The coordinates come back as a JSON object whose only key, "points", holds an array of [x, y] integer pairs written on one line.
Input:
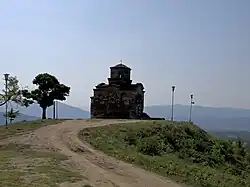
{"points": [[22, 167], [23, 127], [178, 150]]}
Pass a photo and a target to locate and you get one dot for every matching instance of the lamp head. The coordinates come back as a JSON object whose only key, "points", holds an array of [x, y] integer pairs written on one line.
{"points": [[6, 76], [173, 88], [192, 96]]}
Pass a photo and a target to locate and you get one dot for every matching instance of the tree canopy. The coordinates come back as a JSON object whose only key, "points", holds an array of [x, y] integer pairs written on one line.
{"points": [[14, 93], [48, 90]]}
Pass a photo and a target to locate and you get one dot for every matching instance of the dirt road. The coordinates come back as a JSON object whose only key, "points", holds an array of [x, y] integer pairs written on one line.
{"points": [[98, 169]]}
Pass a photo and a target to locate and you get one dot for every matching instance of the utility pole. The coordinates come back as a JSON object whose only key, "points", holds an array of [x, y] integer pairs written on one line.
{"points": [[191, 106], [172, 116], [6, 77], [54, 110]]}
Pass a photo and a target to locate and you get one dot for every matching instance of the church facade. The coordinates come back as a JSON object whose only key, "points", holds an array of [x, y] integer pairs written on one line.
{"points": [[120, 98]]}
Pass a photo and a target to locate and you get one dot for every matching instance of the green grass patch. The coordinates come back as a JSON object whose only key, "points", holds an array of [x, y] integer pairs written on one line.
{"points": [[23, 127], [22, 167], [178, 150]]}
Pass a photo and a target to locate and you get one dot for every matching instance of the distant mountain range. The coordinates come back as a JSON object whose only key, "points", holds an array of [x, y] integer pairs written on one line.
{"points": [[34, 112], [20, 117], [208, 118], [64, 111]]}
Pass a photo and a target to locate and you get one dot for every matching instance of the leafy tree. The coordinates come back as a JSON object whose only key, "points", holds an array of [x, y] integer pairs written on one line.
{"points": [[11, 115], [49, 89], [14, 93]]}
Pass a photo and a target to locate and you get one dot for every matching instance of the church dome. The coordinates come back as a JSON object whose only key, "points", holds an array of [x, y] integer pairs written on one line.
{"points": [[101, 85], [120, 66]]}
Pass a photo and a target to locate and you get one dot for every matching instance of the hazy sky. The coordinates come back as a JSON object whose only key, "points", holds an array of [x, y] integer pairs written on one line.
{"points": [[201, 46]]}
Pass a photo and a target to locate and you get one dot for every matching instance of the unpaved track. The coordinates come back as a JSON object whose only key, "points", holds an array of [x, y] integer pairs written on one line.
{"points": [[97, 168]]}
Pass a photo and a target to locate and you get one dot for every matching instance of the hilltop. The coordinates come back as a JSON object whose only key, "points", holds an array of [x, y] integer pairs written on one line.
{"points": [[41, 153], [179, 150]]}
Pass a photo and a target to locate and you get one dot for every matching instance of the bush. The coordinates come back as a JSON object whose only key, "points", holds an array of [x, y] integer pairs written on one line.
{"points": [[178, 149], [130, 138], [190, 142], [152, 146]]}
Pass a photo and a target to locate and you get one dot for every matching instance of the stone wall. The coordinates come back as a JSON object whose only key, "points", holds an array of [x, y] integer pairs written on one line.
{"points": [[119, 98], [114, 103]]}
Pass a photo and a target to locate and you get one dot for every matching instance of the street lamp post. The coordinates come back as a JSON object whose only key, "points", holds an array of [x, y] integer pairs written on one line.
{"points": [[6, 77], [191, 106], [172, 116], [54, 109]]}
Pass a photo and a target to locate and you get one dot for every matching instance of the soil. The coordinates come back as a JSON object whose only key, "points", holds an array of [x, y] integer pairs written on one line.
{"points": [[97, 169]]}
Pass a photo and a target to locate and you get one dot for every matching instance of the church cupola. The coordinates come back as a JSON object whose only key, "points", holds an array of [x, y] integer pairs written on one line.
{"points": [[120, 74]]}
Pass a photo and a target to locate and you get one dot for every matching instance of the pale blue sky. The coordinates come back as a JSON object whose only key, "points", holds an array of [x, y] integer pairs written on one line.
{"points": [[201, 46]]}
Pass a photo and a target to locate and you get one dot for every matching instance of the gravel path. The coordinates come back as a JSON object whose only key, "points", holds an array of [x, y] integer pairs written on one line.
{"points": [[98, 169]]}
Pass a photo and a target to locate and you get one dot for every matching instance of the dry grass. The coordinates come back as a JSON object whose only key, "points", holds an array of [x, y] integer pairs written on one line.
{"points": [[24, 127], [21, 166]]}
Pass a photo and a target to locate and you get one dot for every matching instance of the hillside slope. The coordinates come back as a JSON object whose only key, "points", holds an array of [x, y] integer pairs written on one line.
{"points": [[179, 150], [96, 168]]}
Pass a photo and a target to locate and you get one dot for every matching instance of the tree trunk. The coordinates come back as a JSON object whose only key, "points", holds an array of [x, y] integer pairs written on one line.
{"points": [[44, 113]]}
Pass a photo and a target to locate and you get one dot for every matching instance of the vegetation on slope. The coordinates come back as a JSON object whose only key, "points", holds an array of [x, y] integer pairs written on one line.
{"points": [[234, 135], [179, 150]]}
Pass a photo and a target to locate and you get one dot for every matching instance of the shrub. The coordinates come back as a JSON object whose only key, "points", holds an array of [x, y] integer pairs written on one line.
{"points": [[190, 142], [130, 138], [179, 149], [152, 146]]}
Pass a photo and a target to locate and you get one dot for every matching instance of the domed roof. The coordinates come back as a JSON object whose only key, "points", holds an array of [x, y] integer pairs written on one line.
{"points": [[121, 65], [101, 85]]}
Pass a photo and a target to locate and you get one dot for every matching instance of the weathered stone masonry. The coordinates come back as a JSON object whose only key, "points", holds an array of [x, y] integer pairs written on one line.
{"points": [[119, 98]]}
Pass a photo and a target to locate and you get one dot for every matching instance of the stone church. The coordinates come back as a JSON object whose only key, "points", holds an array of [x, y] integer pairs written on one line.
{"points": [[119, 99]]}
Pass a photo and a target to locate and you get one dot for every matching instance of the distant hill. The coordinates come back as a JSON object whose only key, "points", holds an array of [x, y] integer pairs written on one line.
{"points": [[21, 117], [64, 111], [208, 118]]}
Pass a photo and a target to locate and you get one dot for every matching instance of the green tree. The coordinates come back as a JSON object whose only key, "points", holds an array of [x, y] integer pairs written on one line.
{"points": [[49, 89], [11, 115], [15, 94]]}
